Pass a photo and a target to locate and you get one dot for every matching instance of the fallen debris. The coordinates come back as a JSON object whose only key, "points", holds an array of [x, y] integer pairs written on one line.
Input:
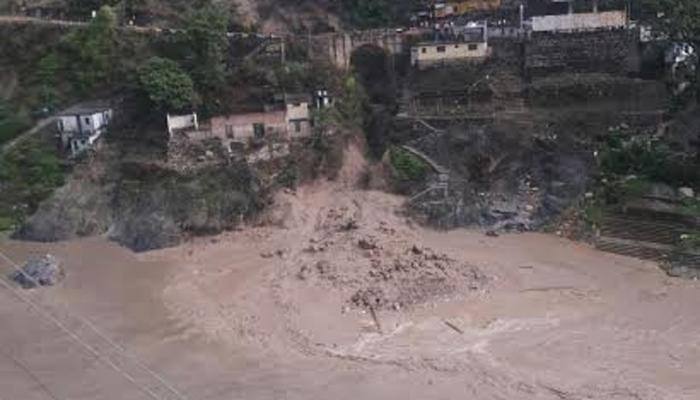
{"points": [[453, 326], [44, 271]]}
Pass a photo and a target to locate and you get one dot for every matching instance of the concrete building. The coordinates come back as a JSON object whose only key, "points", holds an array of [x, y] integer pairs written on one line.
{"points": [[80, 127], [298, 115], [178, 123], [452, 8], [249, 126], [467, 43], [573, 15], [289, 118]]}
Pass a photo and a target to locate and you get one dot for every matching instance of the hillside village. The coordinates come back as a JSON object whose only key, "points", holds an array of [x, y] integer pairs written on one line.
{"points": [[481, 69], [350, 198]]}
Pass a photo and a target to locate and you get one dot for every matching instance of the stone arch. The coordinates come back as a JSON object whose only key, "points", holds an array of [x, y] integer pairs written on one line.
{"points": [[341, 46]]}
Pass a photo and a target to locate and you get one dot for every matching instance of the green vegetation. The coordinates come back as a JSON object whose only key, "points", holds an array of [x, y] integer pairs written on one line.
{"points": [[691, 206], [11, 124], [368, 13], [352, 104], [593, 214], [47, 76], [648, 158], [690, 242], [28, 174], [93, 51], [377, 13], [680, 20], [168, 87], [407, 166], [201, 49]]}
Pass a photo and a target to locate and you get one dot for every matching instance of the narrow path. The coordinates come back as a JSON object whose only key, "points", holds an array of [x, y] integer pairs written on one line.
{"points": [[433, 164], [38, 127], [20, 19]]}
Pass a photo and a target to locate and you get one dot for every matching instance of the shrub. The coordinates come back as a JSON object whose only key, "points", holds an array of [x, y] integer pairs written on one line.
{"points": [[407, 166], [168, 86]]}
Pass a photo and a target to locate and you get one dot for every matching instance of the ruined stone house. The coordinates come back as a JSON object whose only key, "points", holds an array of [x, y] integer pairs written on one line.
{"points": [[288, 118]]}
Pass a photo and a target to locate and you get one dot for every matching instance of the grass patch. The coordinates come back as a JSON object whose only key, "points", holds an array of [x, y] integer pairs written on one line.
{"points": [[11, 124], [29, 173], [6, 223], [11, 128], [408, 167], [691, 207], [593, 214], [690, 242]]}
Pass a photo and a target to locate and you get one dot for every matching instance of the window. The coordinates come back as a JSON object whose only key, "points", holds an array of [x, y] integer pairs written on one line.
{"points": [[229, 131], [472, 47], [297, 126], [87, 120], [259, 130], [423, 50], [441, 49]]}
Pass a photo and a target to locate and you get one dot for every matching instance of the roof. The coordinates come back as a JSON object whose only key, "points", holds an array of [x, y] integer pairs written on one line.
{"points": [[445, 43], [87, 108], [293, 98]]}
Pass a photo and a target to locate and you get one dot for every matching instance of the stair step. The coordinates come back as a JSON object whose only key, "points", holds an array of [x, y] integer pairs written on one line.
{"points": [[661, 217], [631, 248]]}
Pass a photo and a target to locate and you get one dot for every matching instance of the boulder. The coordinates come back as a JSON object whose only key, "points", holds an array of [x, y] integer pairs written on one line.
{"points": [[44, 271], [686, 192], [663, 191]]}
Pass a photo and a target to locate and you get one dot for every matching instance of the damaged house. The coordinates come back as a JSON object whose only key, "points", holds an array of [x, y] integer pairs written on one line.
{"points": [[80, 127], [288, 118]]}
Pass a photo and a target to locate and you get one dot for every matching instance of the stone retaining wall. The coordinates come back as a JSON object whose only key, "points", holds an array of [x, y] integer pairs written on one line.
{"points": [[612, 51]]}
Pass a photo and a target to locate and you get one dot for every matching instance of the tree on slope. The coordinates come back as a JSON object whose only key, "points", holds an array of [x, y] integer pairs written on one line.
{"points": [[168, 87], [679, 20], [94, 50]]}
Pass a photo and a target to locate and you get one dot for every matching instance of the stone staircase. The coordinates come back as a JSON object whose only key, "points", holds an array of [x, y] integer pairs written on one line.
{"points": [[647, 234]]}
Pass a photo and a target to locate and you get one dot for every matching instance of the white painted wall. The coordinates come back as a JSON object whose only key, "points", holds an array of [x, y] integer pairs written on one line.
{"points": [[67, 123], [434, 53], [579, 22], [178, 122]]}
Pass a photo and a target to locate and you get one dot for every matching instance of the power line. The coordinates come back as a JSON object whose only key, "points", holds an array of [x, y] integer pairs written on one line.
{"points": [[75, 337], [99, 333], [29, 372]]}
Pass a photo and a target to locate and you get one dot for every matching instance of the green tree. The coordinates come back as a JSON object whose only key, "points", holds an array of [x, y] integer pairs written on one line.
{"points": [[679, 20], [47, 71], [94, 49], [167, 85], [84, 8], [352, 105], [205, 46]]}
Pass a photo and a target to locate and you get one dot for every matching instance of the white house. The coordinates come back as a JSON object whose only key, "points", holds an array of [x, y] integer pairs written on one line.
{"points": [[298, 116], [589, 19], [81, 126], [468, 43]]}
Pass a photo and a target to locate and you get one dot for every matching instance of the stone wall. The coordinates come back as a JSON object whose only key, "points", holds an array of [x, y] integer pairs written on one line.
{"points": [[338, 47], [611, 51]]}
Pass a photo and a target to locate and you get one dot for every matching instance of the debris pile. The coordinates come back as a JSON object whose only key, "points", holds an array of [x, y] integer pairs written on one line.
{"points": [[378, 270], [44, 271]]}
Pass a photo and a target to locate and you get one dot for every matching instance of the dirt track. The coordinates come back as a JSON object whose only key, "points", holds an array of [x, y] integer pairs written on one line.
{"points": [[238, 316]]}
